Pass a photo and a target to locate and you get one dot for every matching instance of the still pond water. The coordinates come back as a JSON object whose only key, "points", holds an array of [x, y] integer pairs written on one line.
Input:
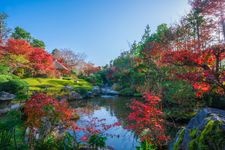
{"points": [[112, 109]]}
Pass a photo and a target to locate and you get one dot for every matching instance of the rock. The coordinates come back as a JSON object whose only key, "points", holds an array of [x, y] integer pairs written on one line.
{"points": [[74, 95], [5, 100], [31, 132], [68, 88], [96, 90], [9, 108], [27, 133], [89, 94], [205, 131], [4, 96], [108, 91]]}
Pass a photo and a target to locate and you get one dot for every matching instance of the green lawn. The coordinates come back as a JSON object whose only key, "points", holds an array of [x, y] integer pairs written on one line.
{"points": [[55, 85]]}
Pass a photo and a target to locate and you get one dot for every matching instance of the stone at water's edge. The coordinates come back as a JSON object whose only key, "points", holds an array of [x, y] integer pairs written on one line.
{"points": [[9, 108], [74, 95], [96, 90], [108, 91], [4, 96], [205, 131], [5, 101]]}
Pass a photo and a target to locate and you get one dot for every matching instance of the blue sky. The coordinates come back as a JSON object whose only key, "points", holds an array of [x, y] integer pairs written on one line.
{"points": [[102, 29]]}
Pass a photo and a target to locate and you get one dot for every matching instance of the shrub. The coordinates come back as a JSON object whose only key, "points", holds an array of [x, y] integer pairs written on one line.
{"points": [[146, 146], [97, 140], [95, 79], [67, 142], [5, 78], [82, 91], [11, 119], [127, 92], [211, 137], [67, 78], [15, 86], [20, 72], [45, 114], [41, 106], [11, 130], [4, 69]]}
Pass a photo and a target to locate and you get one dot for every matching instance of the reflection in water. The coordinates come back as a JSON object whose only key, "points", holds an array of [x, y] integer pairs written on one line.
{"points": [[113, 109]]}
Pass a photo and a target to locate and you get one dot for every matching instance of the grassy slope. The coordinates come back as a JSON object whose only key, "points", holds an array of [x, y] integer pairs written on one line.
{"points": [[38, 84]]}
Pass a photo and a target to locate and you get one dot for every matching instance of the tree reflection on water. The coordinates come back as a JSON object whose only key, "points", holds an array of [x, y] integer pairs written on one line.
{"points": [[112, 109]]}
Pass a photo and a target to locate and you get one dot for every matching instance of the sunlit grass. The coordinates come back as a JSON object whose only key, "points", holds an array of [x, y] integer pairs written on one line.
{"points": [[51, 84]]}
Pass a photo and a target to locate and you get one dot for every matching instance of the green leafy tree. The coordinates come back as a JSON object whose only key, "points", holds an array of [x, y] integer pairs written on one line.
{"points": [[38, 43], [20, 33], [146, 34]]}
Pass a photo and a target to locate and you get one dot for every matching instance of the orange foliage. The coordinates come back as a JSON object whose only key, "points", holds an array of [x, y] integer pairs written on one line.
{"points": [[18, 47]]}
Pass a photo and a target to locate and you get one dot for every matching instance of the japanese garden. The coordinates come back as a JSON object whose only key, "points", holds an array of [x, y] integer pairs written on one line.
{"points": [[166, 91]]}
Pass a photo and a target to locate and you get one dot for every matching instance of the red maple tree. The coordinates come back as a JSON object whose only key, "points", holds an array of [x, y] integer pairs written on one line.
{"points": [[147, 120], [18, 47], [41, 105], [41, 61], [203, 68]]}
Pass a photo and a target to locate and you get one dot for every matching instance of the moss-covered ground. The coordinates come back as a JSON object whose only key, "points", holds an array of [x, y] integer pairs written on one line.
{"points": [[56, 85], [212, 137]]}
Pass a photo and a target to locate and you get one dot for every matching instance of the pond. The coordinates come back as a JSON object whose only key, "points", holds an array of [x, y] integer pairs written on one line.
{"points": [[111, 109]]}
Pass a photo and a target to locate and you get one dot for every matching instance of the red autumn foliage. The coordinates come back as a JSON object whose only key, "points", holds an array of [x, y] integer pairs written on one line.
{"points": [[41, 105], [147, 120], [41, 61], [203, 68], [18, 47], [201, 88], [95, 126]]}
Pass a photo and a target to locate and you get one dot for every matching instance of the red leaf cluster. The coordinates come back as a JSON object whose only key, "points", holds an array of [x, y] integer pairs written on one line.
{"points": [[41, 105], [40, 61], [147, 120], [201, 88], [202, 68], [18, 47]]}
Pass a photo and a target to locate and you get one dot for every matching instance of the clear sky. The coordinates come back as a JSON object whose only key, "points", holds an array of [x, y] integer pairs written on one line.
{"points": [[102, 29]]}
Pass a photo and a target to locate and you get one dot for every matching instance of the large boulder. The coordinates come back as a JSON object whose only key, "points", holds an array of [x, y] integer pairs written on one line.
{"points": [[6, 108], [4, 96], [96, 90], [74, 95], [206, 131]]}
